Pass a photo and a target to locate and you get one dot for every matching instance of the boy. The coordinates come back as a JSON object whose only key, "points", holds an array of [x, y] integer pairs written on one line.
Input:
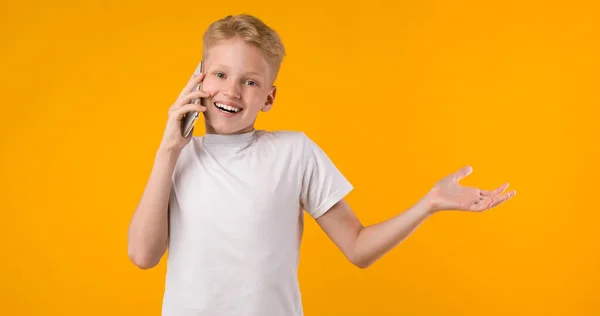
{"points": [[229, 205]]}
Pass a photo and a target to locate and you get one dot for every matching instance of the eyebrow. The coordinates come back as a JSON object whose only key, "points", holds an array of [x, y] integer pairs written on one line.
{"points": [[247, 73]]}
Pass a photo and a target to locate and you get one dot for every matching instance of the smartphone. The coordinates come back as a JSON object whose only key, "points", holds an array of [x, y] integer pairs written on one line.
{"points": [[189, 119]]}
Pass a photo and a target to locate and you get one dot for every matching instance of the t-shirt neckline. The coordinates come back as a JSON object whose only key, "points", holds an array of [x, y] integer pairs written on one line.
{"points": [[219, 139]]}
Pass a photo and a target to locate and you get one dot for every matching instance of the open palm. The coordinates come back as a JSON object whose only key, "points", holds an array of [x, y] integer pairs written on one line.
{"points": [[448, 194]]}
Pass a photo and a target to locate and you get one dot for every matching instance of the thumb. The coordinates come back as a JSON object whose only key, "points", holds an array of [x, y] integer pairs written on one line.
{"points": [[463, 172]]}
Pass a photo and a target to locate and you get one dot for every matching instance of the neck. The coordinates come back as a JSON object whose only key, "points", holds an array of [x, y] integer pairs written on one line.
{"points": [[212, 130], [230, 141]]}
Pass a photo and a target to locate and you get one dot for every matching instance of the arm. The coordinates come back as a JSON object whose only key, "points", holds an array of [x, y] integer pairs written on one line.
{"points": [[148, 230], [364, 245]]}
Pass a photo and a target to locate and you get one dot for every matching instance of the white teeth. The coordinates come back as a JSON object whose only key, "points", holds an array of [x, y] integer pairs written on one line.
{"points": [[227, 107]]}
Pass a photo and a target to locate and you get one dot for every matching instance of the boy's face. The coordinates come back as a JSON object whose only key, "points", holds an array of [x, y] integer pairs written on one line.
{"points": [[239, 78]]}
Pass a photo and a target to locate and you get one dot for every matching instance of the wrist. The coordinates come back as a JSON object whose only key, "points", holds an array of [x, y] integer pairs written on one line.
{"points": [[167, 152], [429, 204]]}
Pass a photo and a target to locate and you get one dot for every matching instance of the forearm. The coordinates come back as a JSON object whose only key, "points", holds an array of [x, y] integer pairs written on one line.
{"points": [[376, 240], [148, 230]]}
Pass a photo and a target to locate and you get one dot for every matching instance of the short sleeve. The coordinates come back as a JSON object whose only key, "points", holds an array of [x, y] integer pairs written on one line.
{"points": [[323, 184]]}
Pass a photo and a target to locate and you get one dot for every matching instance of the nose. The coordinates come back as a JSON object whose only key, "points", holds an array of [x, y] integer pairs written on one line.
{"points": [[232, 90]]}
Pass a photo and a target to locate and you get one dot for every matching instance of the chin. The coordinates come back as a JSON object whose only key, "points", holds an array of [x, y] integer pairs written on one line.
{"points": [[219, 125]]}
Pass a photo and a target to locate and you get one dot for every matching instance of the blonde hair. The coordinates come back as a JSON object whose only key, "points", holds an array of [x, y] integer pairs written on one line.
{"points": [[250, 29]]}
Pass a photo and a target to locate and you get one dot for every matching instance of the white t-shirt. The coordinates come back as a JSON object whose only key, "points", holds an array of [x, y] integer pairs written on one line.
{"points": [[236, 221]]}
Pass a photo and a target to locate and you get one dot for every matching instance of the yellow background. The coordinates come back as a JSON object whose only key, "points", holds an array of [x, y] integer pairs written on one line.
{"points": [[399, 94]]}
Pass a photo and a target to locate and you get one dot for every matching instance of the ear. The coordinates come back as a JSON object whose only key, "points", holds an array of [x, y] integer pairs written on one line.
{"points": [[270, 99]]}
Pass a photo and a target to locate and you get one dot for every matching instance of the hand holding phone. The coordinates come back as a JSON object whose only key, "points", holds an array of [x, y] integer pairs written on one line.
{"points": [[188, 122], [184, 113]]}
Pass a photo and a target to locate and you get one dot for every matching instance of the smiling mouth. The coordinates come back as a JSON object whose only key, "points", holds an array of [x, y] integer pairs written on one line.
{"points": [[227, 108]]}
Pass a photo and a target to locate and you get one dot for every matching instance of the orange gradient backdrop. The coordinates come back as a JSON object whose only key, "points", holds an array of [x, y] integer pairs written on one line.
{"points": [[398, 93]]}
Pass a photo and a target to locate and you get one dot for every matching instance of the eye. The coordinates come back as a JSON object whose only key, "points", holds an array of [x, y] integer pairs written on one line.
{"points": [[220, 74], [252, 83]]}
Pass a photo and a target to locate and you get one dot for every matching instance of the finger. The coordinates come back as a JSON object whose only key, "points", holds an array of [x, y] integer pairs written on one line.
{"points": [[499, 200], [484, 192], [193, 82], [178, 113], [499, 190], [495, 192], [188, 98], [463, 172]]}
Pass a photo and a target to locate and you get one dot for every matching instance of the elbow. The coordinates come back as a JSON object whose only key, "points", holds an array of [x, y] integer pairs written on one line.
{"points": [[142, 261], [361, 262]]}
